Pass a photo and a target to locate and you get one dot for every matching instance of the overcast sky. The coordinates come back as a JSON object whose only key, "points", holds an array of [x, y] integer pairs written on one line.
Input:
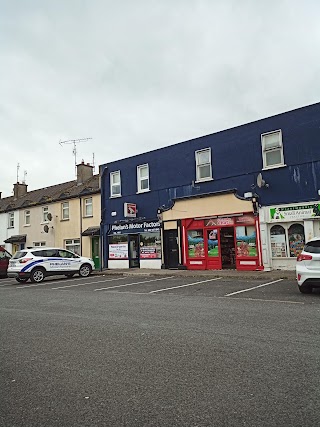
{"points": [[139, 75]]}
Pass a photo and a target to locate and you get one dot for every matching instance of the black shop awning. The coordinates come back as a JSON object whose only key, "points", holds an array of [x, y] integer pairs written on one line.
{"points": [[20, 238], [91, 231]]}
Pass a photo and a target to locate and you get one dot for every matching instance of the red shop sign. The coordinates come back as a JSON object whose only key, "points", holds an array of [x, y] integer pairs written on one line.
{"points": [[245, 219], [218, 221]]}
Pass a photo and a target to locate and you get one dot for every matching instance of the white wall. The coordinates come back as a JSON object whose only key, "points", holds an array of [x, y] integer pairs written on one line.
{"points": [[6, 232]]}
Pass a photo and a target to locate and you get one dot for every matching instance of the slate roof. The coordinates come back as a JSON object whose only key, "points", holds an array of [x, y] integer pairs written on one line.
{"points": [[54, 193]]}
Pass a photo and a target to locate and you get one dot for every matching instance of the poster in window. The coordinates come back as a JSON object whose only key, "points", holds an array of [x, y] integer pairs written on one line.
{"points": [[246, 241], [118, 250], [195, 244], [278, 246], [213, 245], [296, 239]]}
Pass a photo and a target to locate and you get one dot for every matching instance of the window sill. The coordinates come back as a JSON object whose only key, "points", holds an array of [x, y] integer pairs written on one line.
{"points": [[203, 180], [143, 191], [64, 219], [116, 196], [87, 216], [26, 225], [273, 167]]}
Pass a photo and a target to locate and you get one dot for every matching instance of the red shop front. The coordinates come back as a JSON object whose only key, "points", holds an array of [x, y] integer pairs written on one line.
{"points": [[222, 242]]}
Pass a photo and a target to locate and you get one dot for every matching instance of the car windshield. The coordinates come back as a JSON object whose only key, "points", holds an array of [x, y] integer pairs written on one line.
{"points": [[19, 254]]}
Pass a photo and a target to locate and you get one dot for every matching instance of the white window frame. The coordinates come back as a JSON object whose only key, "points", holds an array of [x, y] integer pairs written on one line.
{"points": [[45, 211], [11, 220], [273, 149], [37, 244], [27, 215], [65, 211], [88, 206], [141, 179], [199, 165], [73, 245], [113, 185]]}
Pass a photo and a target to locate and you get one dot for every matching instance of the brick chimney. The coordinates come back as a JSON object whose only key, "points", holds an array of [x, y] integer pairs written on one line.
{"points": [[84, 172], [19, 190]]}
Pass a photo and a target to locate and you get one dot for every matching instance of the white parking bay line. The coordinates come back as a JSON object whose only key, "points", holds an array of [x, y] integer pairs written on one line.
{"points": [[255, 287], [183, 286], [136, 283], [88, 283], [31, 286]]}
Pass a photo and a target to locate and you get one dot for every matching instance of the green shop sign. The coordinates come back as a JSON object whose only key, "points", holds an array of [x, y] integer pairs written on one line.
{"points": [[293, 213]]}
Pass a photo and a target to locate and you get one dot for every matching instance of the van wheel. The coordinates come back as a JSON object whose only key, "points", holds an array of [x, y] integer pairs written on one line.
{"points": [[37, 275], [21, 279], [85, 270], [305, 289]]}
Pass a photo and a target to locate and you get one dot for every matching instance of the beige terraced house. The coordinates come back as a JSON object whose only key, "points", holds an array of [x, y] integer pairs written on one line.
{"points": [[64, 215]]}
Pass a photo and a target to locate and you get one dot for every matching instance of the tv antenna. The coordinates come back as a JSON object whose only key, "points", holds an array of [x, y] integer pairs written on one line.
{"points": [[74, 150], [18, 167]]}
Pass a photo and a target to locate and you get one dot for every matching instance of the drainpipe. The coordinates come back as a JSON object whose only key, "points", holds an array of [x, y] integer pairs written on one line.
{"points": [[80, 225], [102, 198]]}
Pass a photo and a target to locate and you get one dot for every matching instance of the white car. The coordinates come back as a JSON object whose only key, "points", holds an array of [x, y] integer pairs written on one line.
{"points": [[37, 263], [308, 266]]}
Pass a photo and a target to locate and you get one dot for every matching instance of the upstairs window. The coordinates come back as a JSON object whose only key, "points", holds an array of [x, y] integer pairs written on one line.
{"points": [[143, 178], [10, 219], [272, 149], [27, 217], [203, 165], [65, 210], [115, 184], [45, 211], [88, 207]]}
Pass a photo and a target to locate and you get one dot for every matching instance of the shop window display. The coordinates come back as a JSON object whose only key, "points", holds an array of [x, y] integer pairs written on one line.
{"points": [[213, 246], [246, 241], [278, 242], [118, 246], [296, 239], [150, 245], [195, 243]]}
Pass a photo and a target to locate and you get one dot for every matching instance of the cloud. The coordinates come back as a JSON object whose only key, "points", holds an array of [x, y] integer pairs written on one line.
{"points": [[136, 76]]}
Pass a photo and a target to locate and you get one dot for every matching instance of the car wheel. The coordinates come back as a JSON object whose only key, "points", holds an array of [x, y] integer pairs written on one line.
{"points": [[305, 289], [69, 275], [37, 275], [85, 270], [21, 279]]}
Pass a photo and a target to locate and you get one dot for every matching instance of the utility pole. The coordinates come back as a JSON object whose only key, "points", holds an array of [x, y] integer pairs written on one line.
{"points": [[74, 150]]}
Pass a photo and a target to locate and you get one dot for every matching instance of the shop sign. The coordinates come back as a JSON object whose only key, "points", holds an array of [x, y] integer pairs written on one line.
{"points": [[118, 250], [218, 221], [130, 210], [245, 220], [295, 213], [136, 227]]}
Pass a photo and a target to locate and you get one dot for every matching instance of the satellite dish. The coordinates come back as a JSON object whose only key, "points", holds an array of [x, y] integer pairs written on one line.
{"points": [[49, 216], [261, 182], [45, 228]]}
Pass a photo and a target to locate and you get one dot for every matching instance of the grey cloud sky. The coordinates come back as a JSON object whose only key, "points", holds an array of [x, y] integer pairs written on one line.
{"points": [[136, 76]]}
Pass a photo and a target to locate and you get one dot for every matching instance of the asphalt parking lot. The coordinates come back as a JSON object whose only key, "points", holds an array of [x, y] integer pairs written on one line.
{"points": [[272, 290], [147, 350]]}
